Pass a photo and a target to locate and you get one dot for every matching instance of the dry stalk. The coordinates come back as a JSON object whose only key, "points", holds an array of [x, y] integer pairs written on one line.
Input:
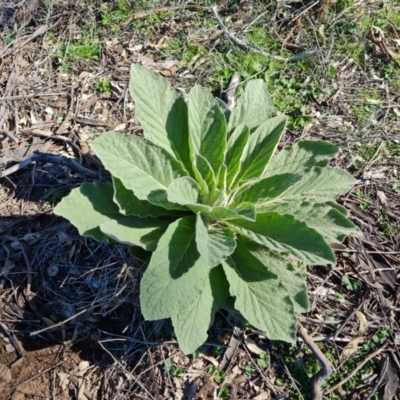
{"points": [[327, 367]]}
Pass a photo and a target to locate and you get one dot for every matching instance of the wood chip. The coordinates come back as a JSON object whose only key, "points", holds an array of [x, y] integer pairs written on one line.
{"points": [[392, 383], [382, 197], [263, 396], [5, 373], [252, 346], [363, 323], [351, 347]]}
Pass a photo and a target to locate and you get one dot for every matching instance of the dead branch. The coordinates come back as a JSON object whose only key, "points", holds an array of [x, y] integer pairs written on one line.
{"points": [[49, 158], [327, 367], [236, 338]]}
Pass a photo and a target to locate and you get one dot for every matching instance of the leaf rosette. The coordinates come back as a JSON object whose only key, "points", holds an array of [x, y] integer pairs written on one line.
{"points": [[223, 217]]}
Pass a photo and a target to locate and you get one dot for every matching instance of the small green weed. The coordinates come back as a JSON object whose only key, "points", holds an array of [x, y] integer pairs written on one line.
{"points": [[113, 17], [219, 376], [171, 368], [104, 86], [196, 354], [350, 284], [218, 350], [224, 393], [249, 370], [377, 340], [395, 188], [264, 361], [385, 225]]}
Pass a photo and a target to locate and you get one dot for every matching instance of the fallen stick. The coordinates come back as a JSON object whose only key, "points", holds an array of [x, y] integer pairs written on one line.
{"points": [[327, 367], [49, 158]]}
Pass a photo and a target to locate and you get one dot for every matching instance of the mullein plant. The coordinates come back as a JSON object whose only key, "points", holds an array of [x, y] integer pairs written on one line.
{"points": [[223, 218]]}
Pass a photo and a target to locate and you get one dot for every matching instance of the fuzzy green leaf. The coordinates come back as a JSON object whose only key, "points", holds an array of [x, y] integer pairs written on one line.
{"points": [[221, 184], [318, 185], [89, 206], [185, 191], [141, 166], [235, 148], [192, 323], [288, 275], [224, 108], [302, 156], [338, 207], [243, 211], [129, 204], [331, 224], [142, 232], [260, 147], [259, 191], [214, 243], [283, 233], [207, 127], [260, 296], [206, 172], [161, 112], [176, 274], [253, 107]]}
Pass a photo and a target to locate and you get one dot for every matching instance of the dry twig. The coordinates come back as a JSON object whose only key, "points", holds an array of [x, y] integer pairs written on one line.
{"points": [[230, 351], [230, 92], [49, 158], [327, 367]]}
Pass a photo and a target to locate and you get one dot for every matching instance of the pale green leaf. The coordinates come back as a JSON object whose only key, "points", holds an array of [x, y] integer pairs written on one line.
{"points": [[290, 276], [141, 166], [260, 296], [338, 207], [192, 323], [176, 274], [245, 211], [260, 147], [207, 127], [253, 107], [129, 204], [224, 108], [216, 198], [98, 235], [259, 191], [302, 156], [214, 243], [142, 232], [331, 224], [89, 206], [161, 112], [222, 178], [283, 233], [196, 208], [235, 148], [206, 172], [219, 286], [185, 191], [318, 185]]}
